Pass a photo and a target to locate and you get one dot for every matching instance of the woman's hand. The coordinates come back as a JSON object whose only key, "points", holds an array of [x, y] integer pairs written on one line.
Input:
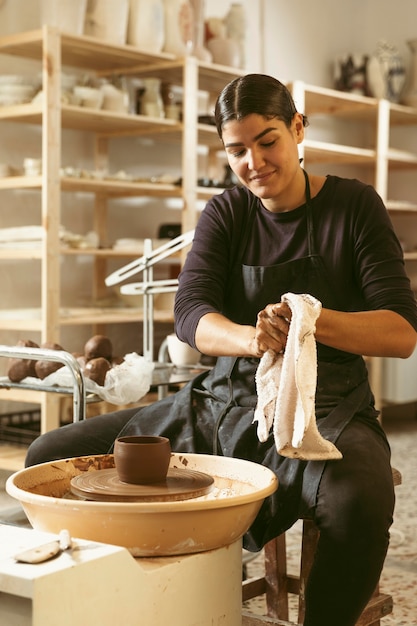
{"points": [[272, 328], [218, 336]]}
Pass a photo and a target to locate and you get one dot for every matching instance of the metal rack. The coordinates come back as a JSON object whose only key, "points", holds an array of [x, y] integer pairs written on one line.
{"points": [[150, 287], [78, 390]]}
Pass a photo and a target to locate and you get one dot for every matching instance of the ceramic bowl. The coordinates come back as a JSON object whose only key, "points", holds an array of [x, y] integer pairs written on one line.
{"points": [[164, 528], [89, 97], [142, 460]]}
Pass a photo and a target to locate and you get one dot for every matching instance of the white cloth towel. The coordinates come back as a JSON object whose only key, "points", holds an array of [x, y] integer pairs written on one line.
{"points": [[286, 388]]}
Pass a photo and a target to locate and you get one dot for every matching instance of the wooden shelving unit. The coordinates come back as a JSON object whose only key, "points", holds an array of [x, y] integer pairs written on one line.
{"points": [[54, 51], [380, 159]]}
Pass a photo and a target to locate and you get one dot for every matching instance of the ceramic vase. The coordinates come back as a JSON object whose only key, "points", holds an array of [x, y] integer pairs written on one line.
{"points": [[198, 48], [351, 74], [179, 27], [107, 20], [386, 73], [152, 103], [235, 21], [67, 15], [225, 51], [146, 26], [410, 98]]}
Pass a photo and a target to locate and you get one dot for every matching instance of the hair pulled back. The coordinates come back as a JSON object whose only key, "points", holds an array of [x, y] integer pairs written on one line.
{"points": [[254, 93]]}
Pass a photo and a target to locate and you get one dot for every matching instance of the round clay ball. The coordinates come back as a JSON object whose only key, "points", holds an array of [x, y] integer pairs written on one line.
{"points": [[96, 370], [98, 346], [18, 368], [42, 367]]}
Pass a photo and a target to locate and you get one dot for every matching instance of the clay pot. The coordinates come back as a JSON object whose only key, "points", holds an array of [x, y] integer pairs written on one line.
{"points": [[142, 459]]}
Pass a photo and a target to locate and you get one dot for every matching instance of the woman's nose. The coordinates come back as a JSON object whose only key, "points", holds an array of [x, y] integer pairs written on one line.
{"points": [[255, 159]]}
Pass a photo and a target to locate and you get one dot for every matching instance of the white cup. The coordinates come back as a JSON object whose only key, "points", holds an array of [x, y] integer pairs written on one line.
{"points": [[181, 353]]}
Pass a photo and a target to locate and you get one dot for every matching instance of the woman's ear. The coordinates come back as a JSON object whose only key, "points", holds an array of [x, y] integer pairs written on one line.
{"points": [[298, 127]]}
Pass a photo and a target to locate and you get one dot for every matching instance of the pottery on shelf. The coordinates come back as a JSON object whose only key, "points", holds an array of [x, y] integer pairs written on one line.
{"points": [[66, 15], [198, 48], [410, 97], [152, 103], [235, 22], [146, 25], [179, 27], [350, 73], [107, 20], [386, 72], [225, 51]]}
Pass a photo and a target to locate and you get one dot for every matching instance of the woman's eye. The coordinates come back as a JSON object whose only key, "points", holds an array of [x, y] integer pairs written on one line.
{"points": [[269, 144]]}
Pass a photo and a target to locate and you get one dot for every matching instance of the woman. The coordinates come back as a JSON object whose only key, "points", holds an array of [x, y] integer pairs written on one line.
{"points": [[281, 230]]}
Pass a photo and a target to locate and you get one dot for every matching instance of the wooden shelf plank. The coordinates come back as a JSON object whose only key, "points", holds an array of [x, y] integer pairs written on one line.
{"points": [[401, 158], [322, 152], [30, 254], [325, 101], [111, 253], [410, 256], [81, 51], [111, 187], [402, 115], [107, 123], [18, 320], [21, 182], [401, 206], [120, 188]]}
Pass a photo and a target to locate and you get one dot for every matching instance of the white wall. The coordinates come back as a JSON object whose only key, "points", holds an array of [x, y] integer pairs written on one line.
{"points": [[303, 38]]}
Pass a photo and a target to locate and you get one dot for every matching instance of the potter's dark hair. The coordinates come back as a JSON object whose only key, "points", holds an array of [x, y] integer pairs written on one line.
{"points": [[254, 93]]}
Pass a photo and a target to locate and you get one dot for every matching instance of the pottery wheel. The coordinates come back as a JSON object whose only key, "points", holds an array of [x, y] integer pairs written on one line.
{"points": [[180, 484]]}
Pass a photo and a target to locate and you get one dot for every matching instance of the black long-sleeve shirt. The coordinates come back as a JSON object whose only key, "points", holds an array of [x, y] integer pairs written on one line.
{"points": [[353, 234]]}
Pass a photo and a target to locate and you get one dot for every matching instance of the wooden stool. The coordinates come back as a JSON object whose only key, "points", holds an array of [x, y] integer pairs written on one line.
{"points": [[276, 584]]}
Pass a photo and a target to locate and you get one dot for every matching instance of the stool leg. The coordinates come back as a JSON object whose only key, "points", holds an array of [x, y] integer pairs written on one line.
{"points": [[308, 550], [276, 578]]}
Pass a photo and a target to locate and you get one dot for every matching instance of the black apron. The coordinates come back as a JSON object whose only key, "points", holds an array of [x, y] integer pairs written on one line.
{"points": [[213, 414]]}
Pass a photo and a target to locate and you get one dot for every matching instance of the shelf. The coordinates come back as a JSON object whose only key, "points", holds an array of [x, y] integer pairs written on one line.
{"points": [[106, 59], [108, 123], [211, 76], [105, 253], [110, 253], [401, 159], [208, 136], [324, 152], [399, 206], [112, 188], [410, 256], [323, 101], [205, 193], [119, 188], [109, 187], [30, 319], [81, 51], [401, 115], [28, 254]]}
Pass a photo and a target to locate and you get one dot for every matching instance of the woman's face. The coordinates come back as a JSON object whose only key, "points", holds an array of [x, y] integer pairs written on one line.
{"points": [[263, 153]]}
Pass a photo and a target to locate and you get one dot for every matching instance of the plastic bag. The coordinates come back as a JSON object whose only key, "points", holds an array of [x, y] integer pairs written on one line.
{"points": [[124, 383]]}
